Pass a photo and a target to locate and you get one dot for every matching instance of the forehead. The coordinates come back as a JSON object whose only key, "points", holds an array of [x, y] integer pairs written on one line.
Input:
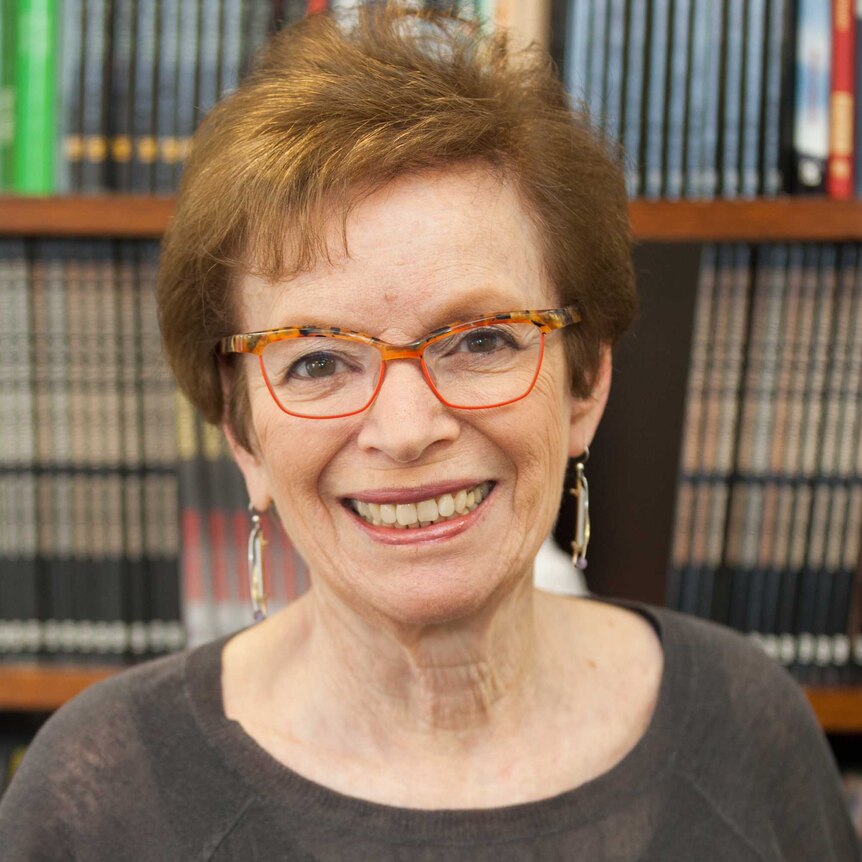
{"points": [[424, 251]]}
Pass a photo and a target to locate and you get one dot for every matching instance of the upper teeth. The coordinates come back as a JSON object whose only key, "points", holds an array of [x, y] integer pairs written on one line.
{"points": [[425, 512]]}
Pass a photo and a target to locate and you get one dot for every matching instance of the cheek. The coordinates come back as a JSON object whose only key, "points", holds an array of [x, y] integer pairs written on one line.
{"points": [[538, 443], [295, 457]]}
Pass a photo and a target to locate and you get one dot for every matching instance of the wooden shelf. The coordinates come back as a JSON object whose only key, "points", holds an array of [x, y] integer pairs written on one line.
{"points": [[798, 219], [783, 219], [839, 710], [121, 216], [37, 688]]}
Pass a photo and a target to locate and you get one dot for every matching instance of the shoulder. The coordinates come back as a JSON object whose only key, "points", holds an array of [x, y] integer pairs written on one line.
{"points": [[730, 675], [113, 768], [749, 745]]}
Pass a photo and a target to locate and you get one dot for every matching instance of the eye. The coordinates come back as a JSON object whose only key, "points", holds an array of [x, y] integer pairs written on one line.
{"points": [[317, 365], [487, 340]]}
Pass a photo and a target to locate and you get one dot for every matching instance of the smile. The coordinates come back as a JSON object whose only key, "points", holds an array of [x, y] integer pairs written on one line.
{"points": [[422, 513]]}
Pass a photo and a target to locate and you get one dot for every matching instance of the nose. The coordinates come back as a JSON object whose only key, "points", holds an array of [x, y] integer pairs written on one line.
{"points": [[406, 419]]}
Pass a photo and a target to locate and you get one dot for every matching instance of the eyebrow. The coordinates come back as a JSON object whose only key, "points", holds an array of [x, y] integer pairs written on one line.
{"points": [[461, 309]]}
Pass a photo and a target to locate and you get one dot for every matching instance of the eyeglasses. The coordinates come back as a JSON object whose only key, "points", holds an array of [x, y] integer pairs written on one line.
{"points": [[331, 373]]}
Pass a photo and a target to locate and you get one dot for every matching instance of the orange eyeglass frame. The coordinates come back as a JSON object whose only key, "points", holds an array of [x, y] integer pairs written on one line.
{"points": [[546, 320]]}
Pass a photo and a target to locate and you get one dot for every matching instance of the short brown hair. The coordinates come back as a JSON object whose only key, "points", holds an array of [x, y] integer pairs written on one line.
{"points": [[330, 112]]}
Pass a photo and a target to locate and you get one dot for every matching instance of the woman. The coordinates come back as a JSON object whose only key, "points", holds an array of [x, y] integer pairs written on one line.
{"points": [[396, 271]]}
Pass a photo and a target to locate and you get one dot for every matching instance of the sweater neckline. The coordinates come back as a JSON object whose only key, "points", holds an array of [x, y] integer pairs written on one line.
{"points": [[276, 785]]}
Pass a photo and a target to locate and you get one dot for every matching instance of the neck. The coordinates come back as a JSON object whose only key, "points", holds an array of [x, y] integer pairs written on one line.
{"points": [[445, 686]]}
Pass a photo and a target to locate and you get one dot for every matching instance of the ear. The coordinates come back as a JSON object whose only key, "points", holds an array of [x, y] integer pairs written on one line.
{"points": [[587, 412], [249, 463], [253, 470]]}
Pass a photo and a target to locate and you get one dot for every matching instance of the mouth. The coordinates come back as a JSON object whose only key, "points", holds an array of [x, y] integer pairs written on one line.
{"points": [[398, 515]]}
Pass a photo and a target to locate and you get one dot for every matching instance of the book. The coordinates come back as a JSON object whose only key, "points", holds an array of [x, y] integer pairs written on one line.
{"points": [[654, 133], [577, 59], [8, 21], [94, 102], [857, 113], [121, 97], [35, 97], [677, 97], [144, 144], [752, 97], [615, 71], [811, 99], [771, 161], [706, 173], [164, 169], [635, 96], [839, 172], [731, 97]]}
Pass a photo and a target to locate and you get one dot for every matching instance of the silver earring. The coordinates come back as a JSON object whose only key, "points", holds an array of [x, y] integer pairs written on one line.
{"points": [[581, 493], [255, 566]]}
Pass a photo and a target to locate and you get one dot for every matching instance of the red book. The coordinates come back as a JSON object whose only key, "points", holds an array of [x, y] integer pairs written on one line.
{"points": [[840, 170]]}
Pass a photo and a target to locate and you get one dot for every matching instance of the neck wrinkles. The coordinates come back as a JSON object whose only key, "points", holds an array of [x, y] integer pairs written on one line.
{"points": [[451, 681]]}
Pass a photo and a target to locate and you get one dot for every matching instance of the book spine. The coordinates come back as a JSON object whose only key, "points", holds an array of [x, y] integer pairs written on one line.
{"points": [[129, 360], [615, 70], [693, 432], [94, 103], [678, 85], [708, 171], [210, 57], [712, 596], [771, 156], [145, 147], [634, 100], [734, 59], [848, 429], [752, 97], [35, 103], [19, 573], [232, 15], [256, 26], [751, 444], [732, 369], [839, 179], [166, 98], [811, 99], [577, 58], [186, 99], [654, 158], [700, 41], [121, 97], [857, 118], [195, 550], [8, 20], [598, 60]]}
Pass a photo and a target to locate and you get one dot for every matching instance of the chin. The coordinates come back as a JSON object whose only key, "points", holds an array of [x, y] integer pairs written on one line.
{"points": [[434, 601]]}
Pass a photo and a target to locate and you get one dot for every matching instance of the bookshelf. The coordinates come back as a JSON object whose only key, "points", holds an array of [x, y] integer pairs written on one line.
{"points": [[780, 219], [34, 688]]}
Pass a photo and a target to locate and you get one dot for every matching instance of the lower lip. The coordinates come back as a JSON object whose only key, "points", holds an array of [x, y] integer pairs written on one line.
{"points": [[432, 533]]}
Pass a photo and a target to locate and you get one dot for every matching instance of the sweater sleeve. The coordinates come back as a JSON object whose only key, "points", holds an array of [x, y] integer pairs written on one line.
{"points": [[121, 772], [810, 818], [55, 808], [757, 753]]}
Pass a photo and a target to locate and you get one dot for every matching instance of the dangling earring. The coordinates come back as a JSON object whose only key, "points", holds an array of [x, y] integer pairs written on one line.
{"points": [[255, 566], [581, 493]]}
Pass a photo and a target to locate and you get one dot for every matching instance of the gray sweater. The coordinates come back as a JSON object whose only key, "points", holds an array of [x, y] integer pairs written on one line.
{"points": [[146, 766]]}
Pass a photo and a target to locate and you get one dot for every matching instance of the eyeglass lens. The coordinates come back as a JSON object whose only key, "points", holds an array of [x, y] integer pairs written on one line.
{"points": [[331, 376]]}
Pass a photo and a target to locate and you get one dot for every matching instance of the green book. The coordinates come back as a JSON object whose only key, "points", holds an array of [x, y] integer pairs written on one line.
{"points": [[35, 104], [7, 92]]}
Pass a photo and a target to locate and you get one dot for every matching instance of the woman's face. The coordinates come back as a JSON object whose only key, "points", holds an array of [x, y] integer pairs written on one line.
{"points": [[425, 251]]}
